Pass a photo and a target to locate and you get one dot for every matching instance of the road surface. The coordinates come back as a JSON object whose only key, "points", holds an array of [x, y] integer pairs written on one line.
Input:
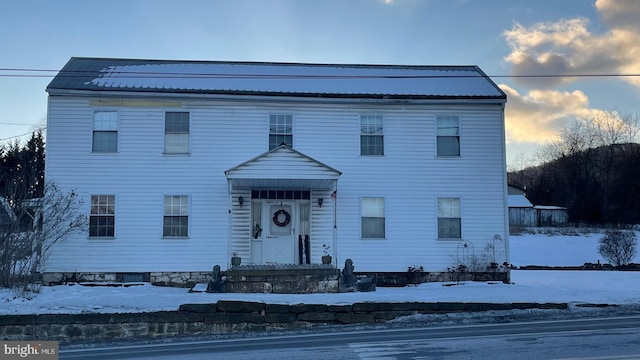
{"points": [[587, 339]]}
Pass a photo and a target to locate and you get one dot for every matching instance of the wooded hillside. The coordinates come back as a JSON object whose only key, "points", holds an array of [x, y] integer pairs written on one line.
{"points": [[593, 170]]}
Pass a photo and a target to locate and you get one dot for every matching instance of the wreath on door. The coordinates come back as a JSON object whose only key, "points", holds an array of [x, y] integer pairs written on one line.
{"points": [[285, 221]]}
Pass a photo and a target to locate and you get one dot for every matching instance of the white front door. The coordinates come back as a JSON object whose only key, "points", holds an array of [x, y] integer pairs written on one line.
{"points": [[280, 244]]}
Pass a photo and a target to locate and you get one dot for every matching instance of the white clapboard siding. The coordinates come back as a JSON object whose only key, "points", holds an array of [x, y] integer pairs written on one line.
{"points": [[241, 224], [321, 225], [226, 134], [273, 164]]}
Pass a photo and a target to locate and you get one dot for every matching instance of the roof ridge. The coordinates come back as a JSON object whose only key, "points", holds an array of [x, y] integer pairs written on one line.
{"points": [[279, 63]]}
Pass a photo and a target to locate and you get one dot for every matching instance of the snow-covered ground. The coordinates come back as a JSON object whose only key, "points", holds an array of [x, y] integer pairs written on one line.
{"points": [[613, 287], [555, 249]]}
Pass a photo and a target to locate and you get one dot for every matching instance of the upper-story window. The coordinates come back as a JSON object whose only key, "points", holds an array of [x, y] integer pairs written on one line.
{"points": [[105, 131], [448, 134], [176, 132], [371, 135], [280, 130]]}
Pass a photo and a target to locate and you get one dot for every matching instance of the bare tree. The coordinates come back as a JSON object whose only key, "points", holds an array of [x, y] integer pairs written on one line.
{"points": [[587, 166], [618, 247], [631, 126], [35, 225]]}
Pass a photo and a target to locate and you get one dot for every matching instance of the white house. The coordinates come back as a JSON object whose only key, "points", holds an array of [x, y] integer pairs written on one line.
{"points": [[182, 164]]}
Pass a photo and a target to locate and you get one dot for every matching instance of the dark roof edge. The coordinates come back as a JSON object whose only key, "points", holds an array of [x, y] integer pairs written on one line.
{"points": [[272, 96], [282, 63], [312, 95], [515, 186]]}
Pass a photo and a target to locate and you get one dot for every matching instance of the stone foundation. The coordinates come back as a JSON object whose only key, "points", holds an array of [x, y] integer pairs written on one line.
{"points": [[175, 279], [179, 279], [400, 279], [276, 279], [283, 279]]}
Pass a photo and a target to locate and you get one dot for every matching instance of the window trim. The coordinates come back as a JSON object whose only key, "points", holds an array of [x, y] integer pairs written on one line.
{"points": [[163, 236], [164, 135], [102, 215], [384, 204], [292, 115], [93, 130], [435, 123], [460, 202], [383, 120]]}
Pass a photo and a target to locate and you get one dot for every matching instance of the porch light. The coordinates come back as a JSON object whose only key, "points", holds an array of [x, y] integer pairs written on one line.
{"points": [[320, 201], [240, 200]]}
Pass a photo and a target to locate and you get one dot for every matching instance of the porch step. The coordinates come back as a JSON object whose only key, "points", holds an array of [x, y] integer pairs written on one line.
{"points": [[283, 279]]}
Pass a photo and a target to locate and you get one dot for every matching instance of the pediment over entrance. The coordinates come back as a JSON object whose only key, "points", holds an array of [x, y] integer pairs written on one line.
{"points": [[283, 168]]}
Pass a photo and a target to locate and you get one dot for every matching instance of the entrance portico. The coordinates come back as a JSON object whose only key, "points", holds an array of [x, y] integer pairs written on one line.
{"points": [[282, 208]]}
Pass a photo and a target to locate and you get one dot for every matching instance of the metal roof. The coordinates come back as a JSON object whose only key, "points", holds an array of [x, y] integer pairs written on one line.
{"points": [[518, 201], [275, 79]]}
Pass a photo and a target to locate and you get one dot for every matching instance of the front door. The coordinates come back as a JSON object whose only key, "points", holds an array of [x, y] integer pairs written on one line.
{"points": [[280, 247]]}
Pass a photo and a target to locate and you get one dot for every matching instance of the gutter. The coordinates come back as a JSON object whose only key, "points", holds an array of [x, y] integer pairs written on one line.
{"points": [[300, 98]]}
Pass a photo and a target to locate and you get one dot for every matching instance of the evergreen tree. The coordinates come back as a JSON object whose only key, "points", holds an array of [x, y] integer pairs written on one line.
{"points": [[22, 168]]}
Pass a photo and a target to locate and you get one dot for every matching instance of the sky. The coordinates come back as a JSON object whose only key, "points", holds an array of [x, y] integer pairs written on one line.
{"points": [[510, 40]]}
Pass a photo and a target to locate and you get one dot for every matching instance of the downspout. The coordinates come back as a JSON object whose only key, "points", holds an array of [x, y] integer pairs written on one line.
{"points": [[505, 190], [335, 226], [229, 223]]}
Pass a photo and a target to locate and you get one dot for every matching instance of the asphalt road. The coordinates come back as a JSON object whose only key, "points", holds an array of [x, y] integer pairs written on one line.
{"points": [[597, 338]]}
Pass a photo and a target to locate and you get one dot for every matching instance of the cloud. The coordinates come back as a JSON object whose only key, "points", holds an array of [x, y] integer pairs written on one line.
{"points": [[619, 13], [539, 115], [568, 47]]}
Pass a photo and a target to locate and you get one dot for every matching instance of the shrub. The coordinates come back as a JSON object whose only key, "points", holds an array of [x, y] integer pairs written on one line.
{"points": [[618, 247], [25, 245]]}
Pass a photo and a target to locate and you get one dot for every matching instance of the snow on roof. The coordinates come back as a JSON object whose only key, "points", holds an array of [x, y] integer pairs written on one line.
{"points": [[518, 201], [549, 207], [293, 79]]}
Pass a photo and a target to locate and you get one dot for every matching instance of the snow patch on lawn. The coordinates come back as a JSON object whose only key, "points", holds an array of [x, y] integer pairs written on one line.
{"points": [[613, 287]]}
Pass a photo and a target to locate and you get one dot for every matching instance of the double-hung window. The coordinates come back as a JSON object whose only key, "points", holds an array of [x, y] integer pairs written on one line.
{"points": [[371, 135], [449, 220], [102, 216], [448, 134], [105, 131], [176, 216], [280, 130], [372, 212], [176, 133]]}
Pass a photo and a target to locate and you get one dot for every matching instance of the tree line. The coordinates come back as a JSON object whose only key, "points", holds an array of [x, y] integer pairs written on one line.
{"points": [[22, 168], [592, 169]]}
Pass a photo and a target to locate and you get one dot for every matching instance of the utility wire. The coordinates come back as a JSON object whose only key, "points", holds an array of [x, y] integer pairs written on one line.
{"points": [[17, 124], [36, 73], [21, 135], [50, 73]]}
